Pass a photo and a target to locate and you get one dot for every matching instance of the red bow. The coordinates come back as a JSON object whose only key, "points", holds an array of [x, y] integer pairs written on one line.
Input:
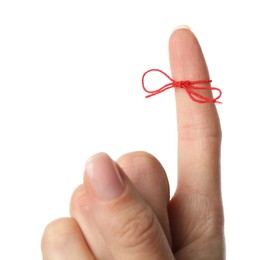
{"points": [[189, 86]]}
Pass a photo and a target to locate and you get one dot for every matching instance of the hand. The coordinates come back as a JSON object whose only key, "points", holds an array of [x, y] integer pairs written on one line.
{"points": [[123, 211]]}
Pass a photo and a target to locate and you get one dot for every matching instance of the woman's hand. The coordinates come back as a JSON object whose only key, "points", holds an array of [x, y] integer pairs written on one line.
{"points": [[123, 210]]}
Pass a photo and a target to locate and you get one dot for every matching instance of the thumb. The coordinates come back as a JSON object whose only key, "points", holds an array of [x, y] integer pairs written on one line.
{"points": [[127, 223]]}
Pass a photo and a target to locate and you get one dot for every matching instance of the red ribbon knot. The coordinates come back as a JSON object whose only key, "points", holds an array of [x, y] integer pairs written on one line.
{"points": [[189, 86]]}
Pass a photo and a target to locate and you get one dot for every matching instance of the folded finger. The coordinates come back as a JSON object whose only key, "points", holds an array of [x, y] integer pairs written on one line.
{"points": [[63, 240]]}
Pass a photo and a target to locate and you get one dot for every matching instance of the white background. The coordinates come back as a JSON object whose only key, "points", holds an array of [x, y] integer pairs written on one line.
{"points": [[70, 86]]}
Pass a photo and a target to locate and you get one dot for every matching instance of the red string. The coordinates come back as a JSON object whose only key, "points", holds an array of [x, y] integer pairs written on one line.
{"points": [[189, 86]]}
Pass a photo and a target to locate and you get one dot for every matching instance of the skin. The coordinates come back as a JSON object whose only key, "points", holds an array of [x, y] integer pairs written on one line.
{"points": [[136, 219]]}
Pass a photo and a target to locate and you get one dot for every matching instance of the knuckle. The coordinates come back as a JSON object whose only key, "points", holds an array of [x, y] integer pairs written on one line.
{"points": [[58, 233], [207, 215], [137, 227], [193, 132], [138, 162], [139, 158], [79, 201]]}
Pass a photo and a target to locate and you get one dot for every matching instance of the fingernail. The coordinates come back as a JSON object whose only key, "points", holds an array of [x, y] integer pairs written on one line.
{"points": [[184, 26], [104, 177]]}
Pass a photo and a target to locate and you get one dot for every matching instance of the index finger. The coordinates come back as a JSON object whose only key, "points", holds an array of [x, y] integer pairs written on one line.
{"points": [[197, 199], [199, 132]]}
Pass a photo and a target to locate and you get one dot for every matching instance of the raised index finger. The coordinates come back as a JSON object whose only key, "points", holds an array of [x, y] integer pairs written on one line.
{"points": [[199, 132], [199, 138]]}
